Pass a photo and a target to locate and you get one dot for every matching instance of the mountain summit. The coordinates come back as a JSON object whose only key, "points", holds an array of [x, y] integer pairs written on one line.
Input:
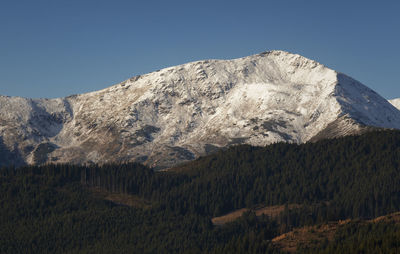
{"points": [[179, 113]]}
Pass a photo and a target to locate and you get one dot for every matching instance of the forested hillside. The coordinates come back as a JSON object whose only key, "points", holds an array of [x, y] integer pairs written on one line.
{"points": [[57, 208]]}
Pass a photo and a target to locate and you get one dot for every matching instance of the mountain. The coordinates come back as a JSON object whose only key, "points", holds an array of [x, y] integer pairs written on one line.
{"points": [[182, 112], [396, 103]]}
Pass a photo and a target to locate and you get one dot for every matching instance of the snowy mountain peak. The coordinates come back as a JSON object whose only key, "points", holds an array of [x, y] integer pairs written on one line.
{"points": [[181, 112]]}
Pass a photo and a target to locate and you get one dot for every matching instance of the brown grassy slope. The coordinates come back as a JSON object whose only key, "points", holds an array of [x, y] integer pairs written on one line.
{"points": [[312, 236]]}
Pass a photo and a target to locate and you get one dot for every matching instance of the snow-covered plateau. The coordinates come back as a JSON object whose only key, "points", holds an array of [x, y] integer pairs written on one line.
{"points": [[182, 112]]}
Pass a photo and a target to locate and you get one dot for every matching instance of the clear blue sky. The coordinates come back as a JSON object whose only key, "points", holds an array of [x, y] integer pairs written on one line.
{"points": [[57, 48]]}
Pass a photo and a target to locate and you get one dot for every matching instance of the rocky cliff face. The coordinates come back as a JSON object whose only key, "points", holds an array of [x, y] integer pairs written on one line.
{"points": [[179, 113]]}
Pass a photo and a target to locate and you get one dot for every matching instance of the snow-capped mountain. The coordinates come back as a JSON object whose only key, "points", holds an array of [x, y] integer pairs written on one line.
{"points": [[179, 113], [396, 103]]}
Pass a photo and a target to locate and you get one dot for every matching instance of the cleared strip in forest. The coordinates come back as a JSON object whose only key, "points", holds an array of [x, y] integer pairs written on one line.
{"points": [[271, 211], [121, 198]]}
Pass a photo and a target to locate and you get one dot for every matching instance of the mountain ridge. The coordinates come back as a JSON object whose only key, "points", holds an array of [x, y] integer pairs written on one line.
{"points": [[179, 113]]}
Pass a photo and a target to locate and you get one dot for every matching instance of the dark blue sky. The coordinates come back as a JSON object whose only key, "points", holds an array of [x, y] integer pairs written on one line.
{"points": [[57, 48]]}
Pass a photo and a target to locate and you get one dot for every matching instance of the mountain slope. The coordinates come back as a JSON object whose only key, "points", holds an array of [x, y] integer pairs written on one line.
{"points": [[182, 112]]}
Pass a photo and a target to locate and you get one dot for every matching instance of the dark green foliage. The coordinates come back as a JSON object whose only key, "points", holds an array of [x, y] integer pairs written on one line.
{"points": [[49, 208], [336, 179]]}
